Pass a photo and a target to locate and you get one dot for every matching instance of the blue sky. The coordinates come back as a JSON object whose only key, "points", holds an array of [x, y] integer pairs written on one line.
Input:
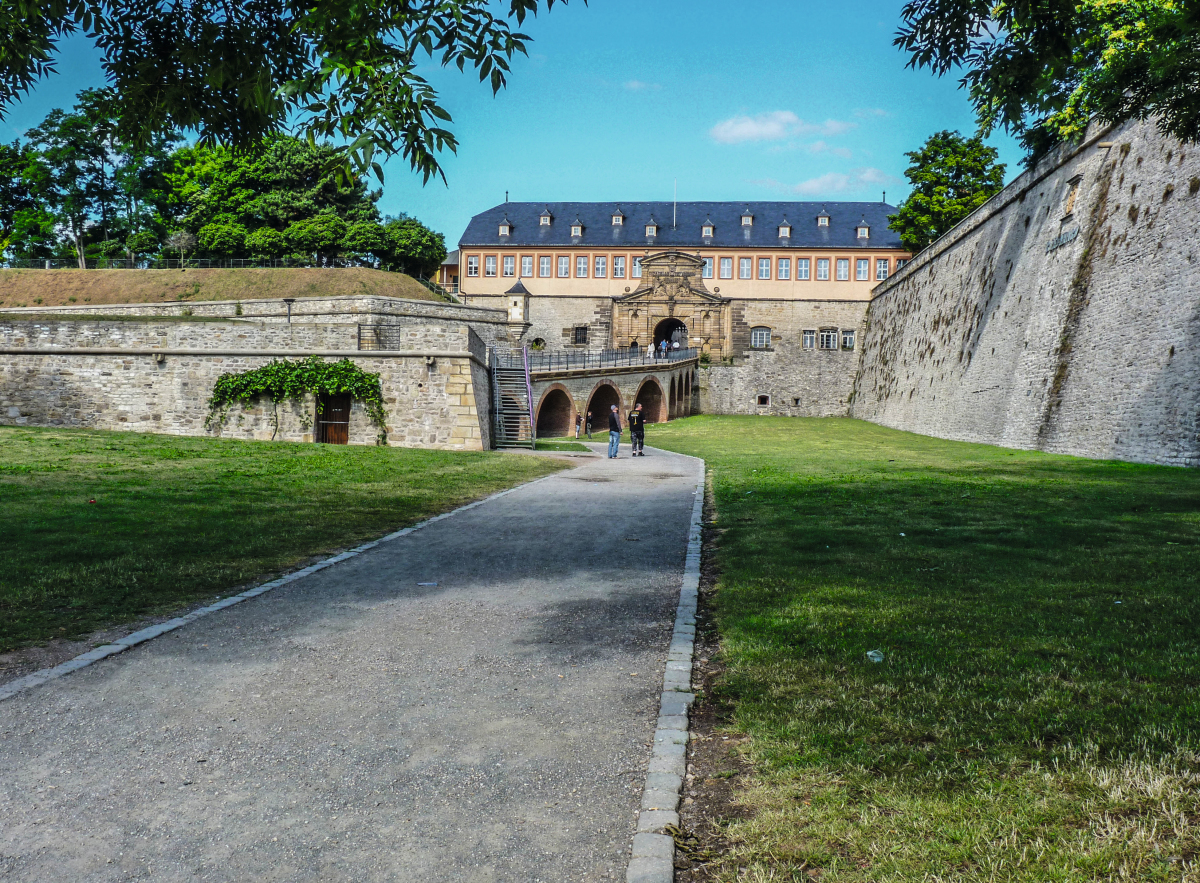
{"points": [[760, 99]]}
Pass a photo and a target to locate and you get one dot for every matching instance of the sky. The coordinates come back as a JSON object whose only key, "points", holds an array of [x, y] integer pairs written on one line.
{"points": [[627, 100]]}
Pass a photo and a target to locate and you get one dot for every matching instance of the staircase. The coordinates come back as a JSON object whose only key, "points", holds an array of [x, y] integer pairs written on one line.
{"points": [[511, 407]]}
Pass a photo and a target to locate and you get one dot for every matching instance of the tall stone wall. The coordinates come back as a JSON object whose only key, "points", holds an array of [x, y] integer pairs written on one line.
{"points": [[1062, 316]]}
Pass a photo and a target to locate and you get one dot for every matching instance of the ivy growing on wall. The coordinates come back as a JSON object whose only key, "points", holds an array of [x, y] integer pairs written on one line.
{"points": [[282, 379]]}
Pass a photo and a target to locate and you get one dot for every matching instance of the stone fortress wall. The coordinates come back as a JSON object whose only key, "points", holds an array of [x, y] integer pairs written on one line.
{"points": [[1062, 316], [111, 368]]}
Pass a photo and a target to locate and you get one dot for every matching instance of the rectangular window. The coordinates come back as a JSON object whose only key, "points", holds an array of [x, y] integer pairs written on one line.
{"points": [[564, 266], [745, 266], [843, 269], [822, 269], [764, 268], [580, 334], [809, 339], [847, 340], [581, 265], [489, 265], [473, 265], [802, 268], [526, 266], [881, 269], [900, 262], [637, 268], [862, 270], [829, 339], [619, 267], [601, 267], [726, 268], [544, 267], [707, 271], [510, 265], [760, 338], [783, 269]]}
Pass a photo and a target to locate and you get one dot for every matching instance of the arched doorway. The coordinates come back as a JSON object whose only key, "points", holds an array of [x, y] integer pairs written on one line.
{"points": [[686, 398], [672, 331], [673, 402], [555, 414], [650, 396], [603, 397]]}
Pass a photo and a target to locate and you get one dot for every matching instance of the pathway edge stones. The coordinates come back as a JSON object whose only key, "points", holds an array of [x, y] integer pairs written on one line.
{"points": [[653, 856], [37, 678]]}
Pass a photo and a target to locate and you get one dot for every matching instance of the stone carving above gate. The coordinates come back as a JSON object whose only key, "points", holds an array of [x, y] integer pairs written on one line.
{"points": [[672, 297]]}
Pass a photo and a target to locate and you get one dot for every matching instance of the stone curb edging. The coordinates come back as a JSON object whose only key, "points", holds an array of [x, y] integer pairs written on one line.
{"points": [[653, 857], [37, 678]]}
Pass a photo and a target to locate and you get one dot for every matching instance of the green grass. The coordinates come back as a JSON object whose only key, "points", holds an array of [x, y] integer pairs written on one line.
{"points": [[180, 519], [1037, 713], [560, 444]]}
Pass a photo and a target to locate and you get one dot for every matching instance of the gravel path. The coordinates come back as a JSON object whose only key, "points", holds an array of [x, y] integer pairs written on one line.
{"points": [[356, 725]]}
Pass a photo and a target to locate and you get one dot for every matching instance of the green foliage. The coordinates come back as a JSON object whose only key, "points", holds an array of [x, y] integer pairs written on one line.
{"points": [[282, 379], [414, 248], [142, 243], [364, 238], [1043, 68], [321, 236], [266, 242], [223, 239], [237, 71], [951, 177]]}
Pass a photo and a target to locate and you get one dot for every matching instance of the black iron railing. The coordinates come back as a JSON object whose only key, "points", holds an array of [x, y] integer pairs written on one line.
{"points": [[541, 362]]}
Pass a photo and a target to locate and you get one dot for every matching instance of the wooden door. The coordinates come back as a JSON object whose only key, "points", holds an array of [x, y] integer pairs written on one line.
{"points": [[333, 423]]}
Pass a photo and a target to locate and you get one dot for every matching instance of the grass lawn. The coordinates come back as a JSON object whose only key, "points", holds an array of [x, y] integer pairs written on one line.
{"points": [[1036, 716], [559, 444], [98, 528]]}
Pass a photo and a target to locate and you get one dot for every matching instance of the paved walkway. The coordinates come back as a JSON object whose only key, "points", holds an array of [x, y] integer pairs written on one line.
{"points": [[356, 725]]}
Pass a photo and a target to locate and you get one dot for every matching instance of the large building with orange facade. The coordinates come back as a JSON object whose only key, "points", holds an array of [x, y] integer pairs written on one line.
{"points": [[774, 293]]}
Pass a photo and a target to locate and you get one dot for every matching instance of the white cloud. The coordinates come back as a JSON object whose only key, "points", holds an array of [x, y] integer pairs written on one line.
{"points": [[840, 182], [822, 147], [639, 86], [776, 125]]}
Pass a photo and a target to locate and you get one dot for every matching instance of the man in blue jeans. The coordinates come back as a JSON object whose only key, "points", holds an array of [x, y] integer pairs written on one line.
{"points": [[614, 431]]}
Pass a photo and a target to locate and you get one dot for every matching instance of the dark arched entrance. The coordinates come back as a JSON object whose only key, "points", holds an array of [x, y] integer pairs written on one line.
{"points": [[555, 415], [672, 331], [673, 402], [650, 397], [603, 396]]}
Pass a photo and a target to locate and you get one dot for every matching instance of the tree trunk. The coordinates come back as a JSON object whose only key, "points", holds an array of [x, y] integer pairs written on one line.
{"points": [[79, 246]]}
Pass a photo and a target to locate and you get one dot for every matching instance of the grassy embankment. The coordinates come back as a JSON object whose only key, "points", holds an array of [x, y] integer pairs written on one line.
{"points": [[1037, 713], [56, 288], [175, 520]]}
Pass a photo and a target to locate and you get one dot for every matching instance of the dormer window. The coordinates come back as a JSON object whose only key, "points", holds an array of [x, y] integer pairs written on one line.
{"points": [[864, 232], [747, 219], [618, 220], [505, 229], [785, 231], [707, 231], [545, 218], [651, 230], [577, 229], [822, 220]]}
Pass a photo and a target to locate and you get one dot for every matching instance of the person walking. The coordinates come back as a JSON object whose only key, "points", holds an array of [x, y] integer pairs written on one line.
{"points": [[589, 426], [637, 430], [614, 432], [578, 423]]}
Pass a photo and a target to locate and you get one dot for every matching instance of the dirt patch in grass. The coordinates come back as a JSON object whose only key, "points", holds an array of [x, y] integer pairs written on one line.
{"points": [[59, 288]]}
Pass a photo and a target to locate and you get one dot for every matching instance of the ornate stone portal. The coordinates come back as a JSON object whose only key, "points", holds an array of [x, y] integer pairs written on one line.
{"points": [[672, 297]]}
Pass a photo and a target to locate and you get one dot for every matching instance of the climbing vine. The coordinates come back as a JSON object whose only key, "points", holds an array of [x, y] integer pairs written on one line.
{"points": [[283, 379]]}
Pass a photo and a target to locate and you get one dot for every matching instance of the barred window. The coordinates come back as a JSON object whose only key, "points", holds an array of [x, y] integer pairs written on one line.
{"points": [[829, 338], [580, 334]]}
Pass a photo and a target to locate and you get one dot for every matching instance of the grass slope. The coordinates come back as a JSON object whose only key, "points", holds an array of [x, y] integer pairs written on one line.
{"points": [[1037, 713], [178, 519], [49, 288]]}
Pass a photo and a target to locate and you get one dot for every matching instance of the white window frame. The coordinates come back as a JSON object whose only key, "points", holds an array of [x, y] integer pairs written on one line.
{"points": [[881, 269], [760, 337], [706, 272], [764, 268], [619, 267], [864, 233], [576, 229], [472, 265], [489, 265], [706, 230], [827, 339], [803, 268], [747, 220], [862, 269], [545, 267], [651, 230], [785, 231], [900, 262], [822, 269], [847, 338], [508, 265], [505, 229], [527, 266], [636, 270], [601, 269], [564, 266], [581, 266], [745, 268], [808, 339], [726, 268], [783, 269], [544, 221], [822, 220], [618, 220], [843, 269]]}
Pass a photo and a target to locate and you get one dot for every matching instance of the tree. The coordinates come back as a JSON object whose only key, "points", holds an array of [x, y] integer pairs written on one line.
{"points": [[320, 237], [1043, 68], [222, 239], [237, 71], [365, 238], [22, 186], [412, 247], [181, 241], [266, 243], [951, 177]]}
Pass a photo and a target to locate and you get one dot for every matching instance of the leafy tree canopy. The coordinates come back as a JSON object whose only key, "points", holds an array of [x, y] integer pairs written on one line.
{"points": [[238, 71], [1042, 69], [951, 177]]}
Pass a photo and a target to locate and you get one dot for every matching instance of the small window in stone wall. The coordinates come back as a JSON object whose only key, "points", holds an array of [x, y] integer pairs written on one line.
{"points": [[580, 334], [537, 343], [809, 339], [847, 339], [760, 337], [764, 400], [828, 338]]}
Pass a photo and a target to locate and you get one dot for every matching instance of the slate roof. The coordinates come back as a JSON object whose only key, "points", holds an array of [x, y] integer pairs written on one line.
{"points": [[728, 232]]}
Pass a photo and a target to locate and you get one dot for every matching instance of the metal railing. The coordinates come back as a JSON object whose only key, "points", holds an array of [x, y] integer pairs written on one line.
{"points": [[542, 362], [186, 264]]}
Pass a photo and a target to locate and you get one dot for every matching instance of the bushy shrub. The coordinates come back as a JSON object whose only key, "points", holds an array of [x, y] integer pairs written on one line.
{"points": [[321, 236], [266, 243], [223, 239]]}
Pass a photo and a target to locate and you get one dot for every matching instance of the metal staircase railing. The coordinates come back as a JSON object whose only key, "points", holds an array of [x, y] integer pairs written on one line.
{"points": [[512, 403]]}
